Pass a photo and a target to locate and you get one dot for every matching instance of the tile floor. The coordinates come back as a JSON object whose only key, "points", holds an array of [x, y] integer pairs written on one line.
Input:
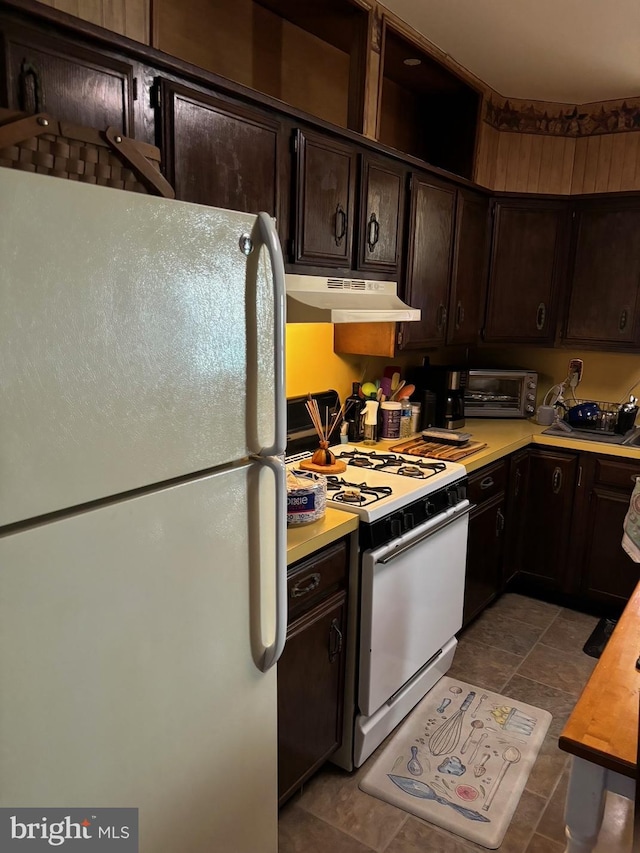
{"points": [[526, 649]]}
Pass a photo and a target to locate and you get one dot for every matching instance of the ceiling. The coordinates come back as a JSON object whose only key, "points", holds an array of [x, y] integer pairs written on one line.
{"points": [[570, 51]]}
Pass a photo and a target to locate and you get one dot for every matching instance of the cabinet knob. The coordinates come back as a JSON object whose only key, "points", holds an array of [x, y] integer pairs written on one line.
{"points": [[624, 316], [31, 79], [335, 640], [373, 232], [305, 585], [340, 225]]}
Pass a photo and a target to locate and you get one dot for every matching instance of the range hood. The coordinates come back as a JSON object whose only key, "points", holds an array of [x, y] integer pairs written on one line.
{"points": [[318, 299]]}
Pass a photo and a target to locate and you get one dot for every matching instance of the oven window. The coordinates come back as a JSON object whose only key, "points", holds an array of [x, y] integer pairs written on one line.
{"points": [[498, 392]]}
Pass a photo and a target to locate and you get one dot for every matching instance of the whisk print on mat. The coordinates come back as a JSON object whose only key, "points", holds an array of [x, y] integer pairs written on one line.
{"points": [[447, 736]]}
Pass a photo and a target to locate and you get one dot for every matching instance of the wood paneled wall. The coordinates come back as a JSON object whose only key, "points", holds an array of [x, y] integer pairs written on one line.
{"points": [[524, 162], [607, 163], [251, 45], [129, 18]]}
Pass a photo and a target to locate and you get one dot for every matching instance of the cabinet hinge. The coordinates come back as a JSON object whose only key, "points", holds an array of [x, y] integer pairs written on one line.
{"points": [[134, 89], [294, 143], [291, 248], [156, 95], [400, 337], [483, 333]]}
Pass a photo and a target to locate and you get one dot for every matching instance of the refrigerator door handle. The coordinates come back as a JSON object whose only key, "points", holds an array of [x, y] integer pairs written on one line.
{"points": [[268, 237], [267, 656]]}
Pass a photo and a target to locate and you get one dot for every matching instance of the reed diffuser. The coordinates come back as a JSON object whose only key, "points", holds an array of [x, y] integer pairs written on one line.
{"points": [[323, 458]]}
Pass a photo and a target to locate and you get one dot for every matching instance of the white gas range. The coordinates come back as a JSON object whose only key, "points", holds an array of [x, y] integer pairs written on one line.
{"points": [[406, 598]]}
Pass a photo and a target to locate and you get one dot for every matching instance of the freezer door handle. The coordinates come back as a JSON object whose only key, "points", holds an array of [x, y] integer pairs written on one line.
{"points": [[267, 656], [265, 234]]}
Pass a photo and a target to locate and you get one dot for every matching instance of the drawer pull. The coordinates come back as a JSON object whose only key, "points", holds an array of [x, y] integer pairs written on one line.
{"points": [[335, 640], [556, 480], [459, 315], [518, 477], [312, 582], [373, 232], [487, 483], [541, 316], [622, 323], [340, 231]]}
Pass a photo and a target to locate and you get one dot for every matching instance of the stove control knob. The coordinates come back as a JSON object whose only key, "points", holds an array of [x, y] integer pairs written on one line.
{"points": [[429, 508], [462, 491], [395, 526], [452, 495], [408, 522]]}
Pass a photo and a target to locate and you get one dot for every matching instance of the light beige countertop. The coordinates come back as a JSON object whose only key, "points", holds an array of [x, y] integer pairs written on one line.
{"points": [[503, 436], [305, 539]]}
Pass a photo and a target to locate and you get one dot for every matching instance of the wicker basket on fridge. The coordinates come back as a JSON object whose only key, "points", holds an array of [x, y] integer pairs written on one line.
{"points": [[40, 143]]}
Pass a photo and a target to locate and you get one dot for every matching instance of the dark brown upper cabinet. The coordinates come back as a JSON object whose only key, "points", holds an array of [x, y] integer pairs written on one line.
{"points": [[381, 215], [468, 278], [429, 261], [528, 253], [325, 201], [66, 80], [603, 308], [218, 152], [425, 109]]}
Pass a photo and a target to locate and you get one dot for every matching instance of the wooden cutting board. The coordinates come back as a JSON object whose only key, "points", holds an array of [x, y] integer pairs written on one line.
{"points": [[436, 450]]}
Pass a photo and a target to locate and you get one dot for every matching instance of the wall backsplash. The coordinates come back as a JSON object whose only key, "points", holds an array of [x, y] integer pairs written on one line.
{"points": [[607, 376]]}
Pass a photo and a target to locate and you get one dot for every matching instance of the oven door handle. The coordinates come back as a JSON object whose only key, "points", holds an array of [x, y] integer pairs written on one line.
{"points": [[428, 534]]}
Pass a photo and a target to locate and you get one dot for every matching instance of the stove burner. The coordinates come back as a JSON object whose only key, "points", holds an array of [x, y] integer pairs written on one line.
{"points": [[410, 471], [355, 493], [361, 462]]}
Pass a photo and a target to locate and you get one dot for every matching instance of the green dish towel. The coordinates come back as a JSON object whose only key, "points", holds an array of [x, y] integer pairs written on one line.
{"points": [[631, 535]]}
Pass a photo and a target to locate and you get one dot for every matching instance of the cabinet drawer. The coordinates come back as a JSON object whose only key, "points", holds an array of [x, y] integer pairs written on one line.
{"points": [[488, 482], [616, 473], [312, 580]]}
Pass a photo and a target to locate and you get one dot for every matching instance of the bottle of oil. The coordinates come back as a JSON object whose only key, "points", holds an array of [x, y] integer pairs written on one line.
{"points": [[353, 414]]}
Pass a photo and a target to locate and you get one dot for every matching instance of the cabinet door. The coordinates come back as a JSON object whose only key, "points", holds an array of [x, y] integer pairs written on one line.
{"points": [[527, 258], [325, 195], [69, 82], [516, 532], [549, 507], [310, 694], [429, 272], [469, 268], [603, 304], [219, 153], [484, 556], [381, 215]]}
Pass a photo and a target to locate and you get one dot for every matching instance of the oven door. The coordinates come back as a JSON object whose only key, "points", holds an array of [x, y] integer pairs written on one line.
{"points": [[412, 594]]}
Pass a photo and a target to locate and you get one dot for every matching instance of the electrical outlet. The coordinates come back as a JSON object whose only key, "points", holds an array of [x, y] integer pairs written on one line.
{"points": [[575, 371]]}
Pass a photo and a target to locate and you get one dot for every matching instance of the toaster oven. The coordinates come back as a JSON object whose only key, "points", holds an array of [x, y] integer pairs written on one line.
{"points": [[500, 393]]}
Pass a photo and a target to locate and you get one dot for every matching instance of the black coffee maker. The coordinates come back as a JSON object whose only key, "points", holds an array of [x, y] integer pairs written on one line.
{"points": [[440, 389]]}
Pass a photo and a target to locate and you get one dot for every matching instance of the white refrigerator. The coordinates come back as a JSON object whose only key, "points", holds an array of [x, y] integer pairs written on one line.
{"points": [[142, 511]]}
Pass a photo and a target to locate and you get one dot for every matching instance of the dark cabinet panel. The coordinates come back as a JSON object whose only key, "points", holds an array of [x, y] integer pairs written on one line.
{"points": [[310, 690], [549, 507], [603, 304], [219, 153], [325, 195], [527, 262], [429, 271], [517, 522], [70, 82], [607, 573], [469, 268], [381, 215], [484, 556]]}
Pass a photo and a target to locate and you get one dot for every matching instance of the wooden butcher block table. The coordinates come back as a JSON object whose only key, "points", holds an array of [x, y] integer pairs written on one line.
{"points": [[602, 733]]}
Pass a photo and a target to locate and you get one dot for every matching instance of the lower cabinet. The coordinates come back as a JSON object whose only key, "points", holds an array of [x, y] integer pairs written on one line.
{"points": [[601, 570], [483, 578], [551, 495], [311, 669]]}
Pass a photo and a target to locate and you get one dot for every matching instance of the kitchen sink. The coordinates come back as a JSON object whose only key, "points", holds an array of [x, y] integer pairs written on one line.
{"points": [[631, 438]]}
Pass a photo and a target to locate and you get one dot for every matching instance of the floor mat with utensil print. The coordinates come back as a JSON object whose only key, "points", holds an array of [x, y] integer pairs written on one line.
{"points": [[461, 760]]}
